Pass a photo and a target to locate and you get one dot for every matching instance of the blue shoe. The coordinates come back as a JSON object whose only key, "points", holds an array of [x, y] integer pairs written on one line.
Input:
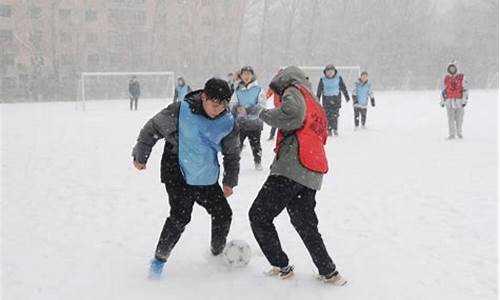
{"points": [[155, 269]]}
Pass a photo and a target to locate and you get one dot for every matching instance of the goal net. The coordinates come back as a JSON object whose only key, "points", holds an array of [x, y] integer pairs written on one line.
{"points": [[97, 86], [349, 75]]}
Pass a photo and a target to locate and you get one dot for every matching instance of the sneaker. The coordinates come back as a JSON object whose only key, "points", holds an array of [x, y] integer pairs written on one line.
{"points": [[155, 269], [451, 137], [460, 136], [363, 127], [335, 133], [356, 128], [333, 278], [329, 133], [283, 273], [258, 166], [270, 138]]}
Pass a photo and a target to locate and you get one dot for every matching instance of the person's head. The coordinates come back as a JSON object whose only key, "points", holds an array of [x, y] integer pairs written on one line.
{"points": [[133, 78], [330, 71], [247, 74], [180, 81], [215, 97], [364, 77], [452, 68]]}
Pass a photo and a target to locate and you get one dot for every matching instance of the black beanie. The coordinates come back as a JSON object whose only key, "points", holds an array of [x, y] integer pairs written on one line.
{"points": [[217, 90]]}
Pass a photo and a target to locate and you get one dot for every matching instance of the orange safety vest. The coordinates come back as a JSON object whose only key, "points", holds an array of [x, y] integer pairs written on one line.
{"points": [[311, 137]]}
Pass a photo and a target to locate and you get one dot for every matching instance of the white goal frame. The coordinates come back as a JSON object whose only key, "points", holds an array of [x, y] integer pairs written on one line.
{"points": [[88, 74]]}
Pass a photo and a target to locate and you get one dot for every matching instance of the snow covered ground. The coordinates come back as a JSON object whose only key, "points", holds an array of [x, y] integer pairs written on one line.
{"points": [[405, 213]]}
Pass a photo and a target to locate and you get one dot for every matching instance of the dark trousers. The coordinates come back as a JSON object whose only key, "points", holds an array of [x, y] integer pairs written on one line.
{"points": [[254, 138], [332, 105], [133, 102], [182, 197], [272, 132], [358, 111], [277, 194]]}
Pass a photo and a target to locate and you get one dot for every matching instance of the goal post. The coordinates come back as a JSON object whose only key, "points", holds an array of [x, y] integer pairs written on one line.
{"points": [[114, 85]]}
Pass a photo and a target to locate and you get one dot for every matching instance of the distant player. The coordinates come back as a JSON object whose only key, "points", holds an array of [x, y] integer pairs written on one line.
{"points": [[329, 88], [247, 102], [454, 97], [181, 90], [134, 90], [361, 92], [194, 130]]}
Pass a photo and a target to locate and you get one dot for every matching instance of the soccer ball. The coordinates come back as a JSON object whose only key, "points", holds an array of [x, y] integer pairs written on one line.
{"points": [[237, 253]]}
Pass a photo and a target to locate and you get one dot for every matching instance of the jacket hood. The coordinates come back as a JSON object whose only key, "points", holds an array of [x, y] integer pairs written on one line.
{"points": [[452, 63], [289, 76]]}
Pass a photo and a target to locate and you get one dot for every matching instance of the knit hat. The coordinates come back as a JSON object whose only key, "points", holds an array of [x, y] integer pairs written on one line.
{"points": [[217, 90]]}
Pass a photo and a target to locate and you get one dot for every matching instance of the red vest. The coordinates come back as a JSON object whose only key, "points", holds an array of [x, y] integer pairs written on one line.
{"points": [[454, 86], [311, 137]]}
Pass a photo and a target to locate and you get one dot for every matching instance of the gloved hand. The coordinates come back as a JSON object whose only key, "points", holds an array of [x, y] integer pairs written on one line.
{"points": [[442, 103], [347, 99], [372, 100], [464, 104]]}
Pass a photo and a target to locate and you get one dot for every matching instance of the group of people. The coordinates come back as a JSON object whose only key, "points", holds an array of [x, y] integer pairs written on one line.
{"points": [[218, 118], [207, 122]]}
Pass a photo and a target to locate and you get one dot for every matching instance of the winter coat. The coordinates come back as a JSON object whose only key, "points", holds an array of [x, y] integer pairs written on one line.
{"points": [[290, 117], [166, 125], [134, 88], [252, 98]]}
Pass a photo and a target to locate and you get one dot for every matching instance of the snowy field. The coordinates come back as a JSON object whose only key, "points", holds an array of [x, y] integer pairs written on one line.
{"points": [[405, 213]]}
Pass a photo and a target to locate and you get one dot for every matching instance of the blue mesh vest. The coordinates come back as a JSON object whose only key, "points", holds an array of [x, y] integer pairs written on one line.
{"points": [[199, 141]]}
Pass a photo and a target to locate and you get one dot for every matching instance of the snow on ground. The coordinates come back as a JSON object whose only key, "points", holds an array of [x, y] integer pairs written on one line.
{"points": [[405, 213]]}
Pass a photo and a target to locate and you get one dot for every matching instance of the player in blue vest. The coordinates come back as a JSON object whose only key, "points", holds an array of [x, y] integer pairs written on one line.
{"points": [[361, 92], [181, 89], [195, 130], [247, 102], [330, 86]]}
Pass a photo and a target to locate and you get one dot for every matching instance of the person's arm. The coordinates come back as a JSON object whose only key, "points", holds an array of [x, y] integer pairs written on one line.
{"points": [[465, 91], [162, 124], [370, 93], [130, 89], [138, 89], [290, 115], [343, 88], [261, 104], [443, 93], [354, 93], [319, 92], [231, 157]]}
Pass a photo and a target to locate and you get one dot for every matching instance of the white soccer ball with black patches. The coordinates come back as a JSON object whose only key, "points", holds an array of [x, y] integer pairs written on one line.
{"points": [[237, 253]]}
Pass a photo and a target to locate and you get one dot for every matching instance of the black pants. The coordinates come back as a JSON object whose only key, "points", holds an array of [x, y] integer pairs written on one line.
{"points": [[254, 138], [182, 198], [133, 102], [332, 105], [357, 112], [277, 194], [272, 132]]}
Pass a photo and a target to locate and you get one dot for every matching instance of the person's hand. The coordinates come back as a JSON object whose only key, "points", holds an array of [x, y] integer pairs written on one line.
{"points": [[442, 103], [228, 191], [139, 166], [241, 110]]}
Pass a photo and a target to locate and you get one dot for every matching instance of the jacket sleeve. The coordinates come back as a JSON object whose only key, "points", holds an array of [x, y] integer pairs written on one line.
{"points": [[290, 115], [465, 89], [343, 88], [231, 157], [161, 125], [261, 104], [319, 92]]}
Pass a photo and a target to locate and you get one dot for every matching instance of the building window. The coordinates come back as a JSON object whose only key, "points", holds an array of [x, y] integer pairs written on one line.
{"points": [[92, 37], [65, 37], [90, 15], [8, 84], [65, 59], [6, 36], [5, 11], [93, 60], [65, 14], [8, 59], [138, 18], [35, 12]]}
